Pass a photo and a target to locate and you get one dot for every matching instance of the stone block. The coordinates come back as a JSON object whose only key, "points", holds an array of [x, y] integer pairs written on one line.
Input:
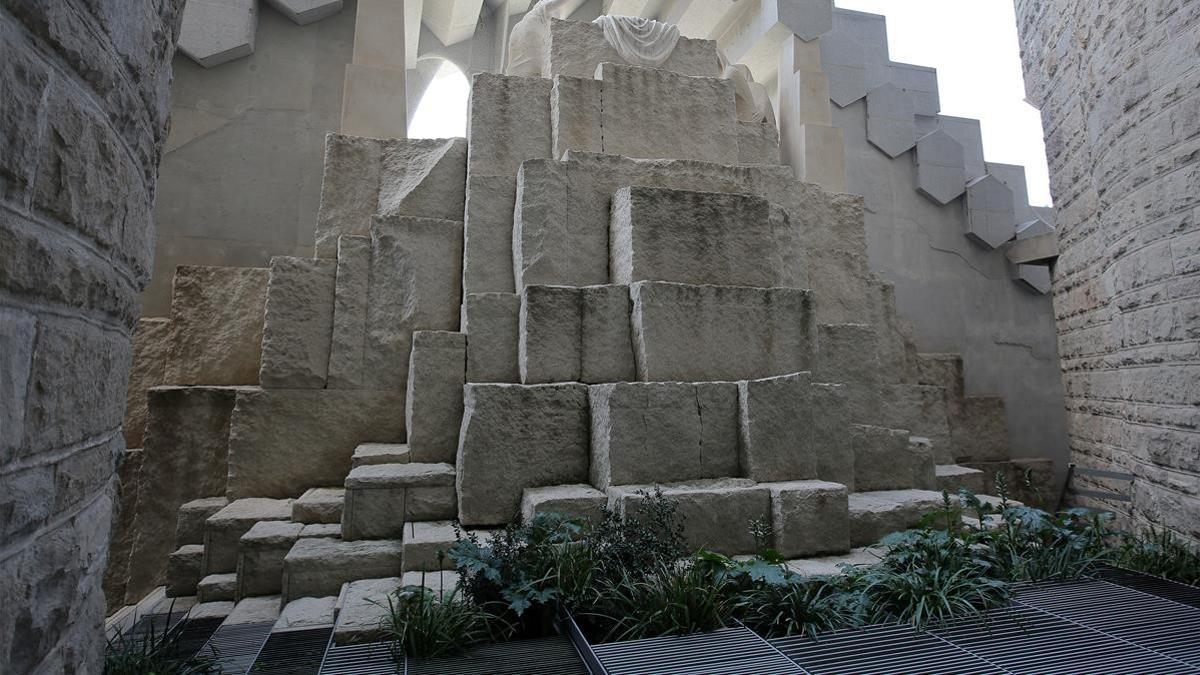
{"points": [[658, 432], [423, 542], [576, 48], [487, 234], [775, 429], [433, 403], [304, 12], [492, 324], [848, 354], [576, 115], [1034, 278], [282, 442], [516, 437], [213, 32], [606, 346], [844, 62], [891, 124], [990, 219], [319, 505], [572, 334], [317, 568], [349, 190], [941, 167], [381, 498], [380, 453], [923, 410], [758, 143], [979, 430], [189, 523], [185, 569], [809, 517], [260, 557], [148, 368], [508, 122], [351, 293], [216, 325], [217, 588], [259, 610], [423, 178], [884, 460], [699, 333], [952, 477], [322, 530], [832, 410], [716, 514], [659, 234], [579, 501], [225, 528], [874, 515], [693, 118], [306, 613], [364, 604], [298, 326]]}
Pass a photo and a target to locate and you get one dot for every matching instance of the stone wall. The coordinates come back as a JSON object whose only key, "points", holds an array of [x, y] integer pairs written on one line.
{"points": [[1118, 84], [84, 86]]}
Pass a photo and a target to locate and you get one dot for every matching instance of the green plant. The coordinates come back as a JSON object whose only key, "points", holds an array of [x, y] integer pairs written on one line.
{"points": [[675, 599], [800, 606], [420, 622], [928, 596], [1161, 553], [650, 536], [153, 652]]}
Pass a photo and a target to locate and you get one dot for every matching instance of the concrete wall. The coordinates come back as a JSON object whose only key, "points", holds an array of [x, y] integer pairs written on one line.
{"points": [[241, 176], [1118, 84], [84, 86]]}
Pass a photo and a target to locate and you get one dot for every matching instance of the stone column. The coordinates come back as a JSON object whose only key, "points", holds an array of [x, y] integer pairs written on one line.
{"points": [[85, 87], [808, 141], [373, 101]]}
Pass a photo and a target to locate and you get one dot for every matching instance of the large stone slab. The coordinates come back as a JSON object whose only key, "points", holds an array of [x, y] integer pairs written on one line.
{"points": [[213, 32], [832, 408], [224, 529], [299, 323], [698, 333], [433, 403], [874, 515], [716, 515], [570, 334], [884, 459], [381, 498], [282, 442], [508, 122], [189, 523], [848, 354], [576, 110], [776, 439], [660, 234], [579, 501], [658, 432], [216, 325], [515, 437], [758, 143], [348, 343], [809, 517], [316, 568], [260, 556], [148, 367], [576, 48], [487, 234], [923, 410], [492, 324], [319, 505], [364, 605], [187, 435]]}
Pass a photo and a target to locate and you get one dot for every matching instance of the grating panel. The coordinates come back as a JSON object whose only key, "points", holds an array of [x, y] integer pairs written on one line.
{"points": [[541, 656], [1156, 586], [372, 658], [727, 651], [234, 648], [194, 635], [889, 648], [293, 652]]}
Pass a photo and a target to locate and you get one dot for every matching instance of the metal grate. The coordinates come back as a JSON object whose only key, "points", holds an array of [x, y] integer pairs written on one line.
{"points": [[234, 648], [194, 635], [541, 656], [1163, 588], [879, 649], [372, 658], [727, 651], [293, 652]]}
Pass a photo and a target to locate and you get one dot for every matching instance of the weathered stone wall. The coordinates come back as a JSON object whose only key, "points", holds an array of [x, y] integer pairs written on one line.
{"points": [[84, 86], [1118, 84]]}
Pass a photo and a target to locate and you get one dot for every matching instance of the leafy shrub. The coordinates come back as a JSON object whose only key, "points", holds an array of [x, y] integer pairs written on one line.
{"points": [[1160, 553], [155, 651], [800, 606], [420, 622], [649, 537]]}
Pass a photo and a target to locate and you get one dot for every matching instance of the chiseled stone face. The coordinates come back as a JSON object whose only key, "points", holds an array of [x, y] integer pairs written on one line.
{"points": [[716, 514], [810, 517], [570, 334], [775, 427], [433, 403], [216, 325], [298, 323]]}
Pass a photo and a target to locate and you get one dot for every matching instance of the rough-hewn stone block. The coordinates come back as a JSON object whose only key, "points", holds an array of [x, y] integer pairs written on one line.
{"points": [[487, 234], [351, 293], [776, 440], [148, 368], [884, 459], [716, 514], [319, 505], [572, 334], [298, 324], [979, 430], [433, 404], [876, 514], [381, 498], [508, 122], [515, 437], [809, 517], [579, 501], [189, 523], [316, 568], [260, 556], [492, 324], [225, 528], [185, 569], [576, 115], [922, 409], [758, 143], [216, 325]]}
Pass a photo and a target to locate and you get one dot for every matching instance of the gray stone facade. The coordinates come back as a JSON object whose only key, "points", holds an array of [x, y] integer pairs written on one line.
{"points": [[1116, 83], [85, 88]]}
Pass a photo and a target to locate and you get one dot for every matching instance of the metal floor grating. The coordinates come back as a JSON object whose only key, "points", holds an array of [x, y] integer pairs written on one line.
{"points": [[234, 648], [293, 652], [541, 656], [728, 650]]}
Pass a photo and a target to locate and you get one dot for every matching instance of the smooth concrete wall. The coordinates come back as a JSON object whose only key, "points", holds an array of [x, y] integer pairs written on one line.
{"points": [[241, 177], [957, 296], [1118, 84], [83, 115]]}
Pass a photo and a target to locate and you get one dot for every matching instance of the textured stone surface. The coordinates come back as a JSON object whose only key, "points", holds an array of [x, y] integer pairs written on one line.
{"points": [[316, 568], [515, 437], [363, 605], [116, 575], [189, 524], [576, 48], [224, 529], [319, 505], [216, 31], [580, 501], [809, 517], [884, 460], [487, 234], [216, 325], [348, 338], [697, 333], [282, 442], [576, 112], [775, 428], [848, 354], [923, 410], [876, 514], [299, 323], [758, 143], [658, 432], [185, 568], [941, 169], [148, 367], [575, 334], [890, 120], [491, 322], [952, 477], [381, 498], [508, 123], [306, 613], [433, 403], [217, 588], [716, 514], [693, 118], [691, 237], [260, 557], [424, 541], [979, 430], [380, 453]]}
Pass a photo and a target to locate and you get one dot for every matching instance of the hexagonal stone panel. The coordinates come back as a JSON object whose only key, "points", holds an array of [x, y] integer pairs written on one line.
{"points": [[1033, 228], [891, 120], [941, 169], [808, 19], [1034, 278], [216, 31], [306, 11], [990, 218], [845, 65]]}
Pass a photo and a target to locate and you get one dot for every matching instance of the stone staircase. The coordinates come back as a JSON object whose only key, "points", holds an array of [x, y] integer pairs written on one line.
{"points": [[612, 286]]}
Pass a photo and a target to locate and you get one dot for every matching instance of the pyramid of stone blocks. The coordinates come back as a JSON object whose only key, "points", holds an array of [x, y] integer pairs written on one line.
{"points": [[611, 285]]}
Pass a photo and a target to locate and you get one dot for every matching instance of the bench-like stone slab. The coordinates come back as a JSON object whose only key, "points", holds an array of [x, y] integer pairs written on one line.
{"points": [[319, 505], [433, 403], [260, 556], [516, 437], [716, 514], [579, 501], [658, 432], [380, 498], [224, 529], [775, 427], [185, 569], [318, 567], [810, 517], [380, 453], [876, 514]]}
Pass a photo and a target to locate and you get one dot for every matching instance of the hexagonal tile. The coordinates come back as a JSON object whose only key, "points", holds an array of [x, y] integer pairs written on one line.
{"points": [[941, 171], [306, 11], [808, 19], [1033, 278], [891, 120], [845, 66], [990, 220], [1033, 228], [216, 31]]}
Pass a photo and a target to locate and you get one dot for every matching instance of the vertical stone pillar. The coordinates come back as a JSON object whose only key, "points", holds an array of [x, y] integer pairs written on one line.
{"points": [[85, 89], [373, 101], [807, 139]]}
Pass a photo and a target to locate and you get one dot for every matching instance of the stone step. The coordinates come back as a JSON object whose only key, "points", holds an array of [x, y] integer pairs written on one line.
{"points": [[189, 523], [380, 498], [951, 477], [263, 609], [716, 513], [979, 431], [260, 556], [218, 609], [319, 505], [876, 514], [306, 614], [579, 500], [217, 587], [223, 529], [809, 517], [363, 603], [890, 459], [433, 401], [319, 567], [923, 410], [380, 453], [831, 565], [185, 568], [422, 543]]}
